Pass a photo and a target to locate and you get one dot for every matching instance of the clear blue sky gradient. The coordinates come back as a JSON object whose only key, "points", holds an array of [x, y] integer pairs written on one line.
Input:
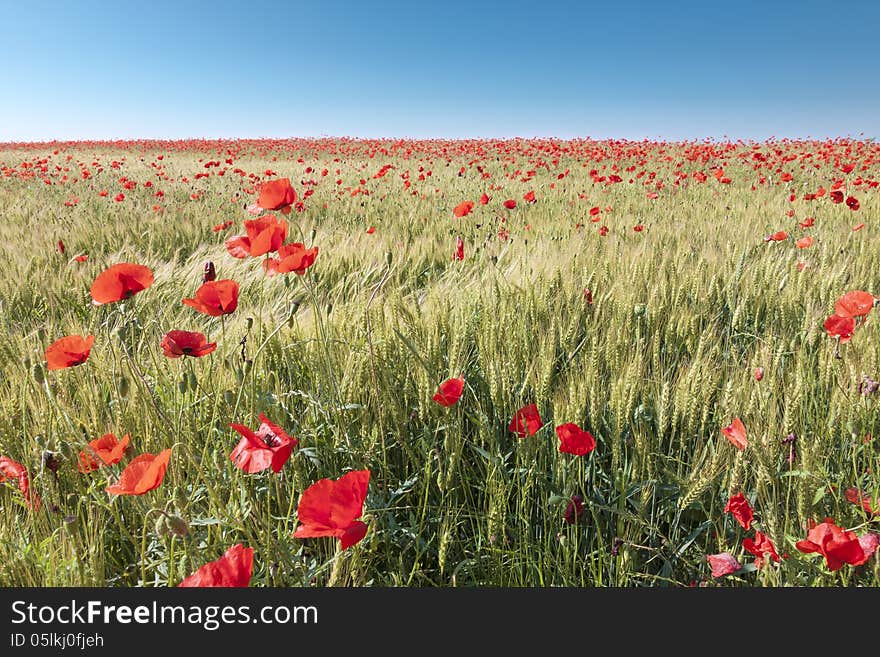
{"points": [[658, 70]]}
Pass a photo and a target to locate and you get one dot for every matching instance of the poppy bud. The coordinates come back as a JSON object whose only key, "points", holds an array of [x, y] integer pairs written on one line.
{"points": [[312, 236], [192, 381], [248, 366], [388, 258], [210, 273], [181, 385], [160, 526], [123, 386], [176, 526], [249, 322], [329, 308], [37, 371], [71, 523], [229, 397], [41, 334], [239, 374]]}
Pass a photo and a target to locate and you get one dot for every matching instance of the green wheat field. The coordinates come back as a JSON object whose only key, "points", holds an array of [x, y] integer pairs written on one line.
{"points": [[651, 293]]}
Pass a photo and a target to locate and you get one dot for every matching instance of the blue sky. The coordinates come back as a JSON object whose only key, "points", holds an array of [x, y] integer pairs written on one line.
{"points": [[670, 70]]}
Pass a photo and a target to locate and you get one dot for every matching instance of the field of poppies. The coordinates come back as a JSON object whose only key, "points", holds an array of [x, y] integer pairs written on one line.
{"points": [[342, 362]]}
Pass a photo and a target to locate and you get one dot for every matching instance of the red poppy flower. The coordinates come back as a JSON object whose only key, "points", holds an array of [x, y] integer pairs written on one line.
{"points": [[736, 433], [449, 392], [603, 231], [777, 237], [859, 498], [854, 304], [723, 564], [836, 196], [186, 343], [371, 230], [869, 542], [107, 448], [804, 243], [82, 258], [574, 440], [459, 249], [119, 282], [760, 546], [264, 235], [573, 510], [807, 223], [142, 474], [332, 508], [840, 327], [510, 204], [484, 199], [61, 247], [215, 298], [268, 446], [759, 373], [837, 545], [526, 421], [293, 257], [738, 505], [222, 226], [529, 197], [233, 569], [277, 195], [858, 227], [639, 228], [15, 471], [852, 203], [69, 351], [463, 209]]}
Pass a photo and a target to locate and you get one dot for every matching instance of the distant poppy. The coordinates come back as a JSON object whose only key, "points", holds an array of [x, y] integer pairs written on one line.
{"points": [[371, 230], [332, 508], [736, 433], [739, 507], [859, 498], [510, 204], [186, 343], [836, 196], [779, 236], [526, 421], [759, 373], [529, 197], [142, 474], [854, 304], [639, 228], [233, 569], [268, 446], [215, 298], [484, 199], [760, 546], [15, 471], [807, 223], [294, 257], [588, 296], [463, 209], [852, 203], [837, 545], [574, 440], [108, 449], [69, 351], [722, 564], [804, 243], [119, 282], [222, 226], [82, 257], [858, 227], [277, 195], [61, 247], [449, 392], [603, 231], [459, 249], [840, 327], [264, 235]]}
